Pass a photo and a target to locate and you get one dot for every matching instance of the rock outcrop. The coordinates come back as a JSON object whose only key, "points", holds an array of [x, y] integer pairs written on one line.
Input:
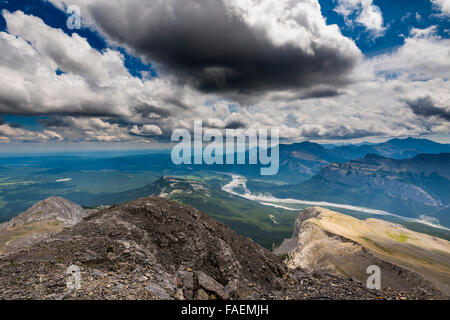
{"points": [[330, 242], [40, 222]]}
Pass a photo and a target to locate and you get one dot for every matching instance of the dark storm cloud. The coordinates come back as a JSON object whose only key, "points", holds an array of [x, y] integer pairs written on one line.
{"points": [[235, 125], [230, 124], [320, 93], [214, 51], [20, 106], [12, 105], [426, 107]]}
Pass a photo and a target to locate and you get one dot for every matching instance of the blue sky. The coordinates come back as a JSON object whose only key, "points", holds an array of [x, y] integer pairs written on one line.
{"points": [[399, 18]]}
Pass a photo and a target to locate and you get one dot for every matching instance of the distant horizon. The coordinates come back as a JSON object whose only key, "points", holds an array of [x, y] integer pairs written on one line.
{"points": [[62, 148]]}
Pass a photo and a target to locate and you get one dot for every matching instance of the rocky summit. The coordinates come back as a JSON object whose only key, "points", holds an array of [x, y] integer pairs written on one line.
{"points": [[154, 248], [41, 221]]}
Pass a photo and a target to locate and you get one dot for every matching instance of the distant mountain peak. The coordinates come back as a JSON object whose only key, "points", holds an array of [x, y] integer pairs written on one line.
{"points": [[303, 145], [53, 208], [42, 220]]}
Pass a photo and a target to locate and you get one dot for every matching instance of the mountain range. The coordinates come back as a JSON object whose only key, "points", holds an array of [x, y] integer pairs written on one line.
{"points": [[413, 188], [154, 248], [304, 160]]}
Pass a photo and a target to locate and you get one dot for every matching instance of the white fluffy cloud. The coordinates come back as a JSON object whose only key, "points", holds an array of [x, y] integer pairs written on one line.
{"points": [[8, 132], [443, 6], [4, 140], [88, 129], [424, 56], [148, 129], [363, 12], [32, 52]]}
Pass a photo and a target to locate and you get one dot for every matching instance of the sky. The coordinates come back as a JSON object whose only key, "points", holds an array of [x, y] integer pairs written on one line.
{"points": [[320, 70]]}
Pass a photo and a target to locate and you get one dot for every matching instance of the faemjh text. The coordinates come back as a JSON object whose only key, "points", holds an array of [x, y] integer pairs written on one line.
{"points": [[241, 309]]}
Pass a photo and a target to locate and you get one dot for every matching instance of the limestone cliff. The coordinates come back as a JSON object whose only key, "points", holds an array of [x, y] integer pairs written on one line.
{"points": [[339, 244]]}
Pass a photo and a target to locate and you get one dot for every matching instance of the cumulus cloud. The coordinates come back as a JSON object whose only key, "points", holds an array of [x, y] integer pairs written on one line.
{"points": [[230, 46], [234, 122], [4, 140], [362, 12], [424, 56], [9, 132], [93, 129], [81, 124], [337, 132], [443, 6], [147, 130], [425, 106], [31, 54]]}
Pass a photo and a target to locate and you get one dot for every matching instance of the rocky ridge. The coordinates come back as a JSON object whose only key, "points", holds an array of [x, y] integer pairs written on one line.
{"points": [[338, 244], [153, 248]]}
